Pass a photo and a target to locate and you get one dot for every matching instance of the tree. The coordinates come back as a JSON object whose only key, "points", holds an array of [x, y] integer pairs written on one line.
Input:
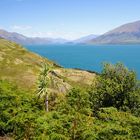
{"points": [[116, 86], [43, 83]]}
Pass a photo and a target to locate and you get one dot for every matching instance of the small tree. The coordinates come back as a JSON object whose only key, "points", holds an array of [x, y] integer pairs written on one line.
{"points": [[116, 86], [43, 83]]}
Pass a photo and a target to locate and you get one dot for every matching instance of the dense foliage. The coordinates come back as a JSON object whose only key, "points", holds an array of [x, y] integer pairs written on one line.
{"points": [[118, 87], [109, 110]]}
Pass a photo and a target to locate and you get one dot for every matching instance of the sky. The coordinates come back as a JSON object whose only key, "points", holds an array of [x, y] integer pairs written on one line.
{"points": [[69, 19]]}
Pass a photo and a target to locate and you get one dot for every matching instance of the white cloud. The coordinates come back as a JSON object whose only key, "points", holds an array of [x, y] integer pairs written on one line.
{"points": [[21, 27]]}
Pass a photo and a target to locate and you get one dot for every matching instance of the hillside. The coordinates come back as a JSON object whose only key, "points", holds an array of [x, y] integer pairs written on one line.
{"points": [[125, 34], [23, 67], [108, 109], [85, 38]]}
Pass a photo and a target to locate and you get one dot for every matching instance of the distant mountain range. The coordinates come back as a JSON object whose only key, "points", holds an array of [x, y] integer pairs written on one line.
{"points": [[125, 34], [85, 38], [21, 39], [24, 40]]}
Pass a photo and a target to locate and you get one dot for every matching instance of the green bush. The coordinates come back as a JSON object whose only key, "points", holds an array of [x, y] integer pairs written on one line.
{"points": [[118, 87], [108, 111]]}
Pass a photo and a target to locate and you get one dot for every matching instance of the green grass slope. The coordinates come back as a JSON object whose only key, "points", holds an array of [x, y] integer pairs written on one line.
{"points": [[19, 65], [22, 67]]}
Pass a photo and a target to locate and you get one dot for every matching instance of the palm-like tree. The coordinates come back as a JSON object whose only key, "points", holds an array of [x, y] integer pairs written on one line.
{"points": [[43, 83]]}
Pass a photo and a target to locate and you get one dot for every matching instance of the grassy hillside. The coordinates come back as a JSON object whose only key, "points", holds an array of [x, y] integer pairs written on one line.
{"points": [[23, 67], [108, 110]]}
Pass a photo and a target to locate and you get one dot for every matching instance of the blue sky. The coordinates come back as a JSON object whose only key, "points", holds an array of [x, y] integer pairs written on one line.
{"points": [[68, 19]]}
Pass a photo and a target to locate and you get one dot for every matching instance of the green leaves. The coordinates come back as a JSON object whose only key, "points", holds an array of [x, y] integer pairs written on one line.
{"points": [[43, 81], [78, 100], [18, 111], [118, 87], [108, 111]]}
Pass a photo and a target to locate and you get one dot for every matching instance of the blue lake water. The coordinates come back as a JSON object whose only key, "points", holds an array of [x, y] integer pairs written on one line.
{"points": [[91, 57]]}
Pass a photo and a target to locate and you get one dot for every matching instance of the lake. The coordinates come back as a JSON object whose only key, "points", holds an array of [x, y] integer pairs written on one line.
{"points": [[90, 57]]}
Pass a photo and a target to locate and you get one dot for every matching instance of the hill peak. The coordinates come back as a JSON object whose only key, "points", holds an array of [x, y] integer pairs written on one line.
{"points": [[127, 28], [125, 34]]}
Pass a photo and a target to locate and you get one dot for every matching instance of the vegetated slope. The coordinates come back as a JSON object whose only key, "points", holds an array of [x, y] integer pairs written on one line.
{"points": [[23, 67], [125, 34], [108, 110]]}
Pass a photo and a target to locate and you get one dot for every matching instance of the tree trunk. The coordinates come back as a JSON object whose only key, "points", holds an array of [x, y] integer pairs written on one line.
{"points": [[74, 129], [47, 104]]}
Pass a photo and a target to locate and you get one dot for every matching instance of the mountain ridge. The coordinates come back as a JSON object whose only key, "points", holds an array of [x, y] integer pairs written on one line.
{"points": [[125, 34], [85, 38], [24, 40]]}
